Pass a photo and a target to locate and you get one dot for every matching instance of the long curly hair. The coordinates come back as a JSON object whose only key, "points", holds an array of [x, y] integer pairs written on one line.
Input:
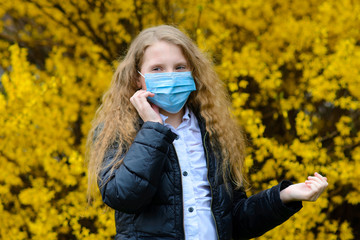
{"points": [[119, 119]]}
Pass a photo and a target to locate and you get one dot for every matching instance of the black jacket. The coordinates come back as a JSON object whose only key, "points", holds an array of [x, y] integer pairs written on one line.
{"points": [[146, 193]]}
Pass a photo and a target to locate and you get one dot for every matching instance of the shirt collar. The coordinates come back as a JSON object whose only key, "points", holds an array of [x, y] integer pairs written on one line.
{"points": [[186, 116]]}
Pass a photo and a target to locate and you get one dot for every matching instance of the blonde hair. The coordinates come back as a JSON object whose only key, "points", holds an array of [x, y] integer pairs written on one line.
{"points": [[119, 119]]}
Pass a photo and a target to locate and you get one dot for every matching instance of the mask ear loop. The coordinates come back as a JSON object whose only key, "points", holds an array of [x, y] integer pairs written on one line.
{"points": [[140, 73]]}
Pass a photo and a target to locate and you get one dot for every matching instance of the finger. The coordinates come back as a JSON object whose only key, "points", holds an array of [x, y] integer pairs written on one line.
{"points": [[145, 94], [315, 186], [318, 188], [316, 191], [315, 179], [137, 94], [143, 107], [151, 94], [141, 95], [323, 180], [320, 176], [139, 100]]}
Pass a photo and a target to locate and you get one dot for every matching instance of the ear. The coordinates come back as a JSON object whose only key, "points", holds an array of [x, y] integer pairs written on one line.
{"points": [[138, 82], [141, 81]]}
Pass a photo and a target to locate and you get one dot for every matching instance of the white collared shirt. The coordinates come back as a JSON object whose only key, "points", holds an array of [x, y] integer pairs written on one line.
{"points": [[198, 220]]}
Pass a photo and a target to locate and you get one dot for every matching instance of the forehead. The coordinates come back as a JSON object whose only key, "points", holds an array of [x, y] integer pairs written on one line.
{"points": [[162, 52]]}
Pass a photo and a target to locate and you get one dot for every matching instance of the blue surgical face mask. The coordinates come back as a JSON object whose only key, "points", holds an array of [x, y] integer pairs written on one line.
{"points": [[171, 89]]}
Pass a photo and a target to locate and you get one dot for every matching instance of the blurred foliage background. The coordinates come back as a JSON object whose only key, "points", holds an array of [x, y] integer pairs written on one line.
{"points": [[292, 69]]}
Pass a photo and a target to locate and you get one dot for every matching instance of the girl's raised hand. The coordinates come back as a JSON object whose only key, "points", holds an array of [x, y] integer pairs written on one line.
{"points": [[146, 110], [310, 190]]}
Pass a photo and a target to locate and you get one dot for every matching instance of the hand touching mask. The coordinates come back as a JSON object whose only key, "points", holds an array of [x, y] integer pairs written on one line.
{"points": [[171, 89]]}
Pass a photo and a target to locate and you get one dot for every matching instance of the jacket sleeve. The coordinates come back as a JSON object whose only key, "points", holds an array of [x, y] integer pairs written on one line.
{"points": [[132, 186], [261, 212]]}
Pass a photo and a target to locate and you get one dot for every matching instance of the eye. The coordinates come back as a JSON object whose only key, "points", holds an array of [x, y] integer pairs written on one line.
{"points": [[155, 69], [181, 67]]}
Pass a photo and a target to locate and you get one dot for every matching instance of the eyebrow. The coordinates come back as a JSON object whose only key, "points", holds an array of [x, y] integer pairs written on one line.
{"points": [[162, 64], [156, 65]]}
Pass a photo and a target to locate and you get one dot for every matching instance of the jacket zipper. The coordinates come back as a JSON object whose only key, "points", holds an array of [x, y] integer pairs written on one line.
{"points": [[211, 191], [182, 200]]}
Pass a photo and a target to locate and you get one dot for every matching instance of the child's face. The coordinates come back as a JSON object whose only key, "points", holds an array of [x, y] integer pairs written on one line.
{"points": [[162, 57]]}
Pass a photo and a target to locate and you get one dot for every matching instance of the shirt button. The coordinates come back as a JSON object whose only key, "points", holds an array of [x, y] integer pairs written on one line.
{"points": [[191, 209], [185, 173]]}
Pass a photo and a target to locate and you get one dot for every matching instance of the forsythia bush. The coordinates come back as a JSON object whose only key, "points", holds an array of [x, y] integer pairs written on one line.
{"points": [[292, 68]]}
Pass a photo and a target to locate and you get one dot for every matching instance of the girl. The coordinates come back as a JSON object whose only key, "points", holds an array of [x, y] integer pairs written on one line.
{"points": [[168, 157]]}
